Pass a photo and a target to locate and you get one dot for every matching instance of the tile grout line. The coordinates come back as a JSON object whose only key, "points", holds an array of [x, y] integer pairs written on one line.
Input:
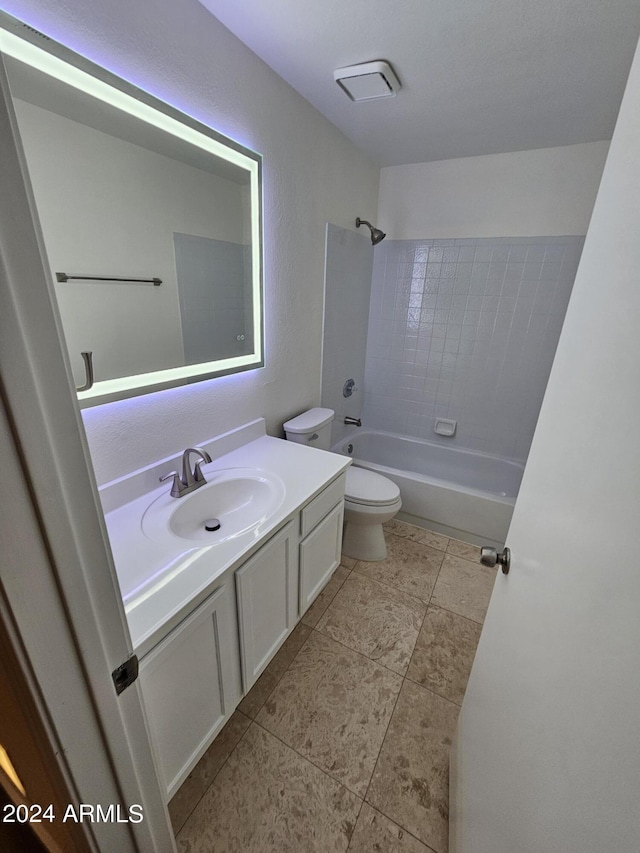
{"points": [[340, 565], [432, 692], [389, 586], [219, 770], [445, 551], [354, 825], [396, 589], [395, 823], [420, 542], [459, 615], [252, 720], [282, 675], [307, 759], [286, 669], [356, 652], [361, 797], [375, 766], [409, 679], [404, 679], [344, 645], [464, 559]]}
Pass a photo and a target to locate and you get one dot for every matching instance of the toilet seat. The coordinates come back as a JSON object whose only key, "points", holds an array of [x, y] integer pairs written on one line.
{"points": [[366, 488], [371, 499]]}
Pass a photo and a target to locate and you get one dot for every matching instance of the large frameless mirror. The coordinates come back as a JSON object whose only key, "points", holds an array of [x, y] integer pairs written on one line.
{"points": [[151, 223]]}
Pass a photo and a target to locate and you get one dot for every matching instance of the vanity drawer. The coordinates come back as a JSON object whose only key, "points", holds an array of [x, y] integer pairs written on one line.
{"points": [[315, 510]]}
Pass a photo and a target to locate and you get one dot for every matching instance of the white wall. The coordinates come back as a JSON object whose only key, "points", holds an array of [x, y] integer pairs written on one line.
{"points": [[346, 317], [178, 51], [545, 192]]}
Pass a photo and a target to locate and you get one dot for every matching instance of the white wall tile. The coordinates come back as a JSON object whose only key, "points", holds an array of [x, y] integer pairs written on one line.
{"points": [[466, 329]]}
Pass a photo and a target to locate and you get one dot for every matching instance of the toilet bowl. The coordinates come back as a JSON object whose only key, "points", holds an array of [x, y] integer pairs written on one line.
{"points": [[370, 499]]}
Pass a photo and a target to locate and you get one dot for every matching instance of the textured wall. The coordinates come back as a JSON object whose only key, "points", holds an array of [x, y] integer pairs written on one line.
{"points": [[312, 174], [548, 191], [346, 316]]}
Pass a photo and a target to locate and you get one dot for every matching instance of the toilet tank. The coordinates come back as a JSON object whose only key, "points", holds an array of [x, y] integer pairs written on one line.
{"points": [[312, 428]]}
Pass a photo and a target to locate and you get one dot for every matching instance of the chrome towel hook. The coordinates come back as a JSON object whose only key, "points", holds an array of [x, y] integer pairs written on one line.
{"points": [[88, 371]]}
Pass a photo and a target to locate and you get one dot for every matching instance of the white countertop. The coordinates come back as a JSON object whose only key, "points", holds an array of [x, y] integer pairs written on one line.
{"points": [[162, 582]]}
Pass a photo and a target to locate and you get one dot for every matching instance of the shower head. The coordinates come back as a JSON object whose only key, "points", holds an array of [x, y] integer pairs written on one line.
{"points": [[377, 236]]}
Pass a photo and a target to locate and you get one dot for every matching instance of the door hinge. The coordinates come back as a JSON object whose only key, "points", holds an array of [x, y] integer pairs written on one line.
{"points": [[125, 674]]}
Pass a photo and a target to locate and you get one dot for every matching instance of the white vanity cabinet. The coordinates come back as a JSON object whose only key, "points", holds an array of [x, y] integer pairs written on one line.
{"points": [[267, 593], [279, 582], [191, 681], [206, 620], [190, 684], [321, 545]]}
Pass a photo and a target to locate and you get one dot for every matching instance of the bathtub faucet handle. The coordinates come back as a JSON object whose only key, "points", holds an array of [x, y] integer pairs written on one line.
{"points": [[353, 421], [349, 387]]}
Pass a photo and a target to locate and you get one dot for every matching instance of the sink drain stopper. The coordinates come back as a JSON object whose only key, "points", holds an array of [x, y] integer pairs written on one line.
{"points": [[212, 524]]}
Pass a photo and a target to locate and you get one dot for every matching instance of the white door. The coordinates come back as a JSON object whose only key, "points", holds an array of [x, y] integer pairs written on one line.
{"points": [[547, 752], [57, 578]]}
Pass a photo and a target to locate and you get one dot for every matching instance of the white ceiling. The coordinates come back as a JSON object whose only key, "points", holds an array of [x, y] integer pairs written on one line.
{"points": [[478, 76]]}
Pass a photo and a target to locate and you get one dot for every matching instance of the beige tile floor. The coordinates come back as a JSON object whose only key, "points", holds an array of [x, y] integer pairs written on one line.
{"points": [[342, 744]]}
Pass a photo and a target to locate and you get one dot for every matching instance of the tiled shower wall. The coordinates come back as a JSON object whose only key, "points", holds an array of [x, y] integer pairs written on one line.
{"points": [[466, 329]]}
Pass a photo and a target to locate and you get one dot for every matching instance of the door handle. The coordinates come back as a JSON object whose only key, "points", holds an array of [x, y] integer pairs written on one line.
{"points": [[491, 557]]}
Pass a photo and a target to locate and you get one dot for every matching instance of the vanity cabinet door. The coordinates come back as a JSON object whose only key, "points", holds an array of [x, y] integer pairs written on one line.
{"points": [[320, 555], [190, 684], [267, 593]]}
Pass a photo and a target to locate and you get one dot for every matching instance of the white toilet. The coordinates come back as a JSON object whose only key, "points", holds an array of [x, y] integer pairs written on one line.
{"points": [[370, 499]]}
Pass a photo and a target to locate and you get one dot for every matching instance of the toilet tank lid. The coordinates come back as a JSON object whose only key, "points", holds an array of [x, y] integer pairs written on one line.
{"points": [[309, 421]]}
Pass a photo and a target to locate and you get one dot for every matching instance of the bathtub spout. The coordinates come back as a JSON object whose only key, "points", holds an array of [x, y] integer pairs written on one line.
{"points": [[353, 421]]}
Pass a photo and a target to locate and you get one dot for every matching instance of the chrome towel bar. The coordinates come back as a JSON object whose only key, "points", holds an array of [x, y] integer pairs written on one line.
{"points": [[63, 276]]}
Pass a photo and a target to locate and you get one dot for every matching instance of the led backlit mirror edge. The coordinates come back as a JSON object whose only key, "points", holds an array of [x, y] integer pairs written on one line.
{"points": [[24, 43]]}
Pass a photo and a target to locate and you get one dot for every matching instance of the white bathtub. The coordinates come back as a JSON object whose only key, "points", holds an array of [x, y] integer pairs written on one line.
{"points": [[461, 493]]}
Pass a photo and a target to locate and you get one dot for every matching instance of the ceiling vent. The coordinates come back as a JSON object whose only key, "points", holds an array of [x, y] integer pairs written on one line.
{"points": [[368, 81]]}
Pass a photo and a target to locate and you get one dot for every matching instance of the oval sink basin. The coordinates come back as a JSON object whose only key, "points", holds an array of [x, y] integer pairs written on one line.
{"points": [[241, 499]]}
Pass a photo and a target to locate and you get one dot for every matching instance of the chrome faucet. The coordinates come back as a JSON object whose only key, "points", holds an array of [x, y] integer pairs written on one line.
{"points": [[353, 421], [190, 480]]}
